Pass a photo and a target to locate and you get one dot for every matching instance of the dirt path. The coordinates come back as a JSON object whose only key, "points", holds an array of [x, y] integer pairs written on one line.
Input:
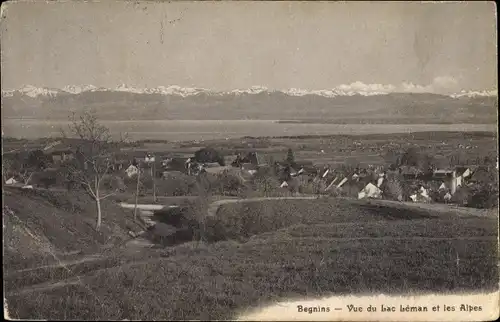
{"points": [[76, 280], [62, 263], [46, 286]]}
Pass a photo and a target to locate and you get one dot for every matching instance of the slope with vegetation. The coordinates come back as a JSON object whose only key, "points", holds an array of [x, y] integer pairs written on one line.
{"points": [[45, 226], [262, 252]]}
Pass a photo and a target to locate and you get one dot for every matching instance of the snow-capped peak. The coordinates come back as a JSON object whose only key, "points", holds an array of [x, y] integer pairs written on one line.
{"points": [[465, 93], [251, 90], [32, 91], [77, 89], [356, 88]]}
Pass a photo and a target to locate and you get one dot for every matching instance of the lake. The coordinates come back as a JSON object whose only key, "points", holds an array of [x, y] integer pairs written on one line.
{"points": [[182, 130]]}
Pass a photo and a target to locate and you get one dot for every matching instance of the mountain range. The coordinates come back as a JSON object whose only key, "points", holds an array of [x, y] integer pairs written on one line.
{"points": [[338, 105]]}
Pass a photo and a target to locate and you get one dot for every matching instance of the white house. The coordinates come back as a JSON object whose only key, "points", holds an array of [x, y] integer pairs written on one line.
{"points": [[421, 195], [284, 184], [131, 171], [424, 192], [11, 181], [370, 191]]}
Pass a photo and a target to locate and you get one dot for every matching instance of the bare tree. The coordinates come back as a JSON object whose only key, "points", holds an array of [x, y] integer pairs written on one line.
{"points": [[93, 160], [26, 176]]}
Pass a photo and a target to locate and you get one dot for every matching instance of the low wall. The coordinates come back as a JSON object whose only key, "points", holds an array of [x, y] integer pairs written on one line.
{"points": [[144, 206]]}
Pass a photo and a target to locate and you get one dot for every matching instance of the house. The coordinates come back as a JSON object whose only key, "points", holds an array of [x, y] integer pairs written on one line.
{"points": [[293, 172], [131, 171], [59, 151], [442, 174], [253, 158], [421, 195], [448, 178], [463, 172], [11, 181], [370, 191], [61, 155], [480, 175], [291, 185], [217, 169], [182, 164], [249, 168]]}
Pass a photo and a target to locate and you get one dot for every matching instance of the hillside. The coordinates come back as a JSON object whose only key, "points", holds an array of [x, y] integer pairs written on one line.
{"points": [[297, 249], [397, 108], [42, 227]]}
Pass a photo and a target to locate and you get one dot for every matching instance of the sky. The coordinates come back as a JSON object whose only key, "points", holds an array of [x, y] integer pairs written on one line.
{"points": [[435, 47]]}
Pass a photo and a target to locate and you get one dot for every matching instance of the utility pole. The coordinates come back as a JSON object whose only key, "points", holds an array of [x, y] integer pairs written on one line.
{"points": [[150, 159], [154, 181], [137, 192]]}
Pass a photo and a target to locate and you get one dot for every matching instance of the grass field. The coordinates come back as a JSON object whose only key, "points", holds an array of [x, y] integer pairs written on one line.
{"points": [[277, 250]]}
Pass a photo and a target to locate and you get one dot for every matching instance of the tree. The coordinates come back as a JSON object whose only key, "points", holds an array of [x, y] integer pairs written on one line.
{"points": [[290, 158], [416, 158], [93, 157], [37, 159], [393, 189], [208, 155]]}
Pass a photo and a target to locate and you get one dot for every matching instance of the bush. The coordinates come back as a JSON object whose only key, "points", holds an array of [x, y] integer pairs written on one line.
{"points": [[209, 155], [393, 189], [229, 184], [483, 196], [177, 184], [265, 183]]}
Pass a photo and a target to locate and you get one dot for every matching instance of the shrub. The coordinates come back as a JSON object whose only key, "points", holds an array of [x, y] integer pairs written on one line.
{"points": [[393, 189], [483, 196], [208, 155]]}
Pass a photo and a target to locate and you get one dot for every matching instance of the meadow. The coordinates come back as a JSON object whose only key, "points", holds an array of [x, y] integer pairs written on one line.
{"points": [[256, 253]]}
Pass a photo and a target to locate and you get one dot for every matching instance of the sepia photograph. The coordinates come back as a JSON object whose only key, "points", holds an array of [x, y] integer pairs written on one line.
{"points": [[250, 160]]}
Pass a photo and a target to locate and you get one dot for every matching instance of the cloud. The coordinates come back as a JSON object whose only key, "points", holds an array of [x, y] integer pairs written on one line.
{"points": [[439, 85]]}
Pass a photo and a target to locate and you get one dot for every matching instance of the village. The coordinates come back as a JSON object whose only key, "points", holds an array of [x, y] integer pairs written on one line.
{"points": [[412, 176]]}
